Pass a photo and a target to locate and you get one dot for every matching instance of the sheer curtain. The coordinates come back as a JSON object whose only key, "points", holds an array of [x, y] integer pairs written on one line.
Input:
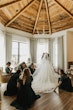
{"points": [[60, 53], [55, 52], [51, 49], [42, 47], [2, 49]]}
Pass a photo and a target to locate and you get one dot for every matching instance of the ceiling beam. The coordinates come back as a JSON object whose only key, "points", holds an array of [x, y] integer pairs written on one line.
{"points": [[17, 15], [9, 4], [48, 16], [63, 8], [37, 16]]}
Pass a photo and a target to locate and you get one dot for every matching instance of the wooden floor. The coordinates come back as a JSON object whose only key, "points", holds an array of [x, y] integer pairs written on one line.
{"points": [[51, 101]]}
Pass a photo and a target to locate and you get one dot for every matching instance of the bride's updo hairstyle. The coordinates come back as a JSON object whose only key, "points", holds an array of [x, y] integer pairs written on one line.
{"points": [[45, 56], [48, 54]]}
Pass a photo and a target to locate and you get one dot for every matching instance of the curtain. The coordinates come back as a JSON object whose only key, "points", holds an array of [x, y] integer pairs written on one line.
{"points": [[8, 47], [32, 50], [60, 53], [55, 52], [51, 49], [2, 49]]}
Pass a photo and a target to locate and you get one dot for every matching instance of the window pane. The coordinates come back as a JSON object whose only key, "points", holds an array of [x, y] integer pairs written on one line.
{"points": [[14, 59], [14, 53], [41, 48], [24, 52], [14, 48]]}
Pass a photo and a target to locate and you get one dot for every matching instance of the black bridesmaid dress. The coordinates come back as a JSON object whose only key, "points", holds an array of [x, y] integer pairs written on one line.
{"points": [[26, 96], [12, 84], [66, 83]]}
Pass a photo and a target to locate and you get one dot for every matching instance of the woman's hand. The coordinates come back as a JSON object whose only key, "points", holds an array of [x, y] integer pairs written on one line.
{"points": [[54, 90], [18, 84]]}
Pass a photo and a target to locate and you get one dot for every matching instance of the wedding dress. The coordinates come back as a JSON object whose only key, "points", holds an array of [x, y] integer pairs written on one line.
{"points": [[44, 78]]}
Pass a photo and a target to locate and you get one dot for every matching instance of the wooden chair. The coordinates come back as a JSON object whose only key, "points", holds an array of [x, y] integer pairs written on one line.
{"points": [[4, 78]]}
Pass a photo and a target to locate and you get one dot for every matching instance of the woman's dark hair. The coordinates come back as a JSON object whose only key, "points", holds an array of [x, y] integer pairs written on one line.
{"points": [[42, 55], [18, 71], [26, 73], [8, 63], [23, 63], [48, 54], [62, 71], [31, 64]]}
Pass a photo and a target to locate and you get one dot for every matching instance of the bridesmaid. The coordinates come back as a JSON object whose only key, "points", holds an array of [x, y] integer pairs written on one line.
{"points": [[64, 82], [8, 70], [26, 96], [11, 85]]}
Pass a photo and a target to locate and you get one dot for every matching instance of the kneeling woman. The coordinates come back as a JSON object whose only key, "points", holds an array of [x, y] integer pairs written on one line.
{"points": [[64, 82], [26, 96]]}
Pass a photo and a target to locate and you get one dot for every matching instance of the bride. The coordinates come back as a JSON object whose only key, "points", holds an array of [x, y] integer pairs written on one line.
{"points": [[44, 78]]}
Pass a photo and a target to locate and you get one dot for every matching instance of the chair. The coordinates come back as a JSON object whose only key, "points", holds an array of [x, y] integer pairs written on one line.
{"points": [[4, 78], [69, 64]]}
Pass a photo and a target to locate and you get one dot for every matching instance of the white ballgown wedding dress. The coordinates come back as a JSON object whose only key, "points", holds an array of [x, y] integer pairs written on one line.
{"points": [[44, 78]]}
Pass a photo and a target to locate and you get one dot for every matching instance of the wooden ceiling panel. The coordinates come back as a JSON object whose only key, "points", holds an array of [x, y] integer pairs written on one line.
{"points": [[65, 20], [62, 28], [2, 2], [64, 24], [2, 20], [55, 10], [64, 9], [26, 19], [21, 21], [18, 26], [59, 17], [36, 5], [22, 25], [13, 10], [31, 13], [4, 17], [37, 15], [21, 29], [43, 15], [68, 5]]}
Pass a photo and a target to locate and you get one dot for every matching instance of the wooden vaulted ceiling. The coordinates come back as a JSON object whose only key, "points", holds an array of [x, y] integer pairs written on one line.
{"points": [[37, 16]]}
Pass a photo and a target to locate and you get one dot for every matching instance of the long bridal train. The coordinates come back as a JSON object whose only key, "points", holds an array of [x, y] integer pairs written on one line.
{"points": [[44, 78]]}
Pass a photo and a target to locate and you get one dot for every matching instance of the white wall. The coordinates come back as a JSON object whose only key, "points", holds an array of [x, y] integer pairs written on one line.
{"points": [[8, 47]]}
